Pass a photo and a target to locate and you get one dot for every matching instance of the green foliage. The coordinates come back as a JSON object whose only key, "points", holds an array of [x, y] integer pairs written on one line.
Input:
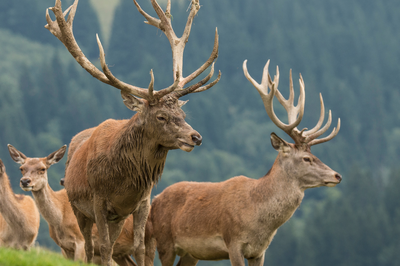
{"points": [[34, 257]]}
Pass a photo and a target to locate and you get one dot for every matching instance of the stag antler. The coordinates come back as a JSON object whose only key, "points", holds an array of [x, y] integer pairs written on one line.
{"points": [[62, 29], [295, 113], [178, 46]]}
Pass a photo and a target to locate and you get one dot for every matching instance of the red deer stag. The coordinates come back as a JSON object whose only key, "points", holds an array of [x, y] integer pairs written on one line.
{"points": [[238, 218], [19, 217], [56, 210], [111, 174]]}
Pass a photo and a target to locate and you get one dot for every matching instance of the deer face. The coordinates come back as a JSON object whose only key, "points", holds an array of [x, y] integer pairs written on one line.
{"points": [[34, 174], [165, 123], [34, 170], [303, 167]]}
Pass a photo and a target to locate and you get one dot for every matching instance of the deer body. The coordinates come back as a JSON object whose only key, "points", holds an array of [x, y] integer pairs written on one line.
{"points": [[234, 219], [57, 211], [19, 217], [238, 218]]}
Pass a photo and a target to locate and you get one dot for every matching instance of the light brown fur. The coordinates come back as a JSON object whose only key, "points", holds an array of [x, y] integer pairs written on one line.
{"points": [[57, 211], [19, 217], [234, 219]]}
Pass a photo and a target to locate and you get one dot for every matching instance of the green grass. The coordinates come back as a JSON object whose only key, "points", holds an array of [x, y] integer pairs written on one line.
{"points": [[34, 257]]}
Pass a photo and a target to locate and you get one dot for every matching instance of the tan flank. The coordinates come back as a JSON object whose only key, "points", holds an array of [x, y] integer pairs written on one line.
{"points": [[19, 217], [110, 176], [56, 210], [237, 219]]}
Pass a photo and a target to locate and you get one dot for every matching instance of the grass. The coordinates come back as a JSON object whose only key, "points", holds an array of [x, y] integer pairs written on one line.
{"points": [[36, 256]]}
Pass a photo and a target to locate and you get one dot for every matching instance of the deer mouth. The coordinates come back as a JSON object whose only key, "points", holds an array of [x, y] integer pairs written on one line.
{"points": [[185, 146], [27, 188], [331, 184]]}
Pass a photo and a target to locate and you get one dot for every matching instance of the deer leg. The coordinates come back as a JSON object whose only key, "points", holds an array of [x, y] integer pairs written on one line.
{"points": [[150, 248], [85, 225], [105, 244], [80, 251], [257, 261], [139, 225], [167, 257], [236, 256]]}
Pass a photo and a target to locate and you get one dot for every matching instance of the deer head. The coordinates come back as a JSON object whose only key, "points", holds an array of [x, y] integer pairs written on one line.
{"points": [[34, 170], [296, 159], [160, 110]]}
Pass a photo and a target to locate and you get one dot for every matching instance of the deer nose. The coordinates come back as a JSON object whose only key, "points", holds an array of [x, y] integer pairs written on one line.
{"points": [[25, 182], [197, 139], [338, 177], [62, 182]]}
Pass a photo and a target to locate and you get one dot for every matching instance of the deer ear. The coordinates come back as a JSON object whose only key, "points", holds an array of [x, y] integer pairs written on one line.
{"points": [[182, 103], [132, 102], [16, 155], [56, 156], [279, 144]]}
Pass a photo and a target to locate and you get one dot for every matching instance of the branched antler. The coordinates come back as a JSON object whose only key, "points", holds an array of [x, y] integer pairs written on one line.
{"points": [[295, 113], [178, 45], [63, 29]]}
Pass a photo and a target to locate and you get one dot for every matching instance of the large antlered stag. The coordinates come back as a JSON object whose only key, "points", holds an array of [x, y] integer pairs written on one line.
{"points": [[237, 219], [115, 165]]}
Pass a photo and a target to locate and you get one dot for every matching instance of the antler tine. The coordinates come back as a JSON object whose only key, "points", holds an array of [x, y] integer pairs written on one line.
{"points": [[210, 61], [62, 29], [295, 113], [113, 81], [203, 88], [320, 121], [198, 86], [150, 20], [333, 134]]}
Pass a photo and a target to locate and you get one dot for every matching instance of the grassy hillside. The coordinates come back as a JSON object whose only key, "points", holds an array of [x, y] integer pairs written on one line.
{"points": [[35, 257]]}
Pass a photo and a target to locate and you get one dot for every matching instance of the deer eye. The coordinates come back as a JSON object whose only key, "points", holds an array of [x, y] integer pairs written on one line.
{"points": [[307, 159], [161, 118]]}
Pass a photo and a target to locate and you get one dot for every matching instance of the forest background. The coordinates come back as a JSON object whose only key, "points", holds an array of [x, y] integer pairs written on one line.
{"points": [[347, 50]]}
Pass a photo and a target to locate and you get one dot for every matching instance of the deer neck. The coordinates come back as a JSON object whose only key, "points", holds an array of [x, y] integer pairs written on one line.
{"points": [[9, 206], [277, 196], [146, 158], [47, 203]]}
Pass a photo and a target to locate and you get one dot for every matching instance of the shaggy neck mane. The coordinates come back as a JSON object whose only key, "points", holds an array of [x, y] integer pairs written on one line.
{"points": [[137, 156]]}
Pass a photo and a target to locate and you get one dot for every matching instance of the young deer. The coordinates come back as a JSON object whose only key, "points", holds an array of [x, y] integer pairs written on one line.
{"points": [[56, 210], [19, 217], [237, 219], [111, 174]]}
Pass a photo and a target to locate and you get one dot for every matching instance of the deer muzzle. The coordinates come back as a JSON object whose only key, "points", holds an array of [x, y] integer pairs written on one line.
{"points": [[25, 184]]}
